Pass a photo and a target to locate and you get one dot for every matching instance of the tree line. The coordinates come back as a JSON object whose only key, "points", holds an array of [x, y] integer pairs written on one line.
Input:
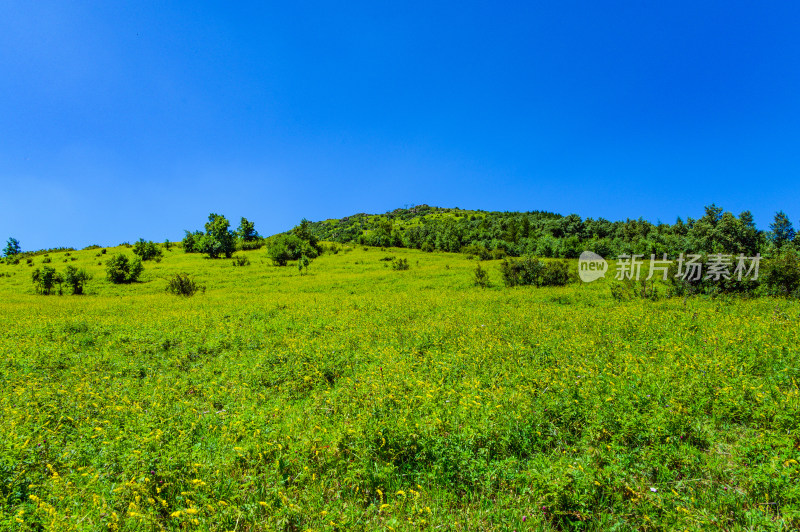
{"points": [[549, 235]]}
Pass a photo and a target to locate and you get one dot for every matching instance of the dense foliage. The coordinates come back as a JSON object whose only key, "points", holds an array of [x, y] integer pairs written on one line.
{"points": [[182, 284], [544, 234], [147, 250], [532, 271], [297, 243], [45, 279], [120, 269], [218, 240], [12, 248], [76, 279]]}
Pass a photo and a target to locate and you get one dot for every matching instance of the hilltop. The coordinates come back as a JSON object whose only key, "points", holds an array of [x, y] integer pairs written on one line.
{"points": [[547, 234]]}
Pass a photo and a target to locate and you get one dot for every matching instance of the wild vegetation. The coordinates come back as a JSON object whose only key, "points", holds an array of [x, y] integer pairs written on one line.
{"points": [[491, 235], [360, 395]]}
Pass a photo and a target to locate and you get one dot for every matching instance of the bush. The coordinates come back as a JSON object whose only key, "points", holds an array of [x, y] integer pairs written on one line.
{"points": [[46, 279], [481, 277], [531, 271], [121, 270], [782, 273], [302, 263], [76, 279], [191, 242], [476, 250], [283, 248], [627, 289], [249, 245], [46, 260], [183, 285], [497, 254], [524, 272], [400, 264], [241, 261], [147, 250], [555, 273]]}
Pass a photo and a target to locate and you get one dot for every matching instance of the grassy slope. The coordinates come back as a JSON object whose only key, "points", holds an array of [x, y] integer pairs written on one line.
{"points": [[357, 397]]}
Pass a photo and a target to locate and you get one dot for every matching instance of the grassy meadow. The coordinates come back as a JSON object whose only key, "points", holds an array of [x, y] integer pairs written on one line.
{"points": [[357, 397]]}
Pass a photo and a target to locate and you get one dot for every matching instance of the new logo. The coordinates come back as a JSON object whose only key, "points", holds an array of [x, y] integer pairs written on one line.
{"points": [[591, 266]]}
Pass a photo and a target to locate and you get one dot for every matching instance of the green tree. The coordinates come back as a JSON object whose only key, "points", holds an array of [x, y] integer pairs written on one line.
{"points": [[46, 279], [782, 273], [247, 230], [302, 263], [219, 239], [191, 242], [303, 232], [119, 269], [12, 247], [782, 230], [283, 248], [76, 279], [147, 250]]}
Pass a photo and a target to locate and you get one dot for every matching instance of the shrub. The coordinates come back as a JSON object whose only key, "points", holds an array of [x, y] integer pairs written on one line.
{"points": [[46, 279], [284, 248], [627, 289], [400, 264], [183, 285], [427, 247], [531, 271], [332, 248], [782, 273], [147, 250], [248, 245], [525, 272], [46, 260], [497, 254], [76, 279], [241, 261], [303, 262], [191, 241], [121, 270], [555, 273], [476, 250], [481, 277]]}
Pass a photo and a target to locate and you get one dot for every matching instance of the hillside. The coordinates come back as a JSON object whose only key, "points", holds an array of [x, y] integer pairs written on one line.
{"points": [[545, 234]]}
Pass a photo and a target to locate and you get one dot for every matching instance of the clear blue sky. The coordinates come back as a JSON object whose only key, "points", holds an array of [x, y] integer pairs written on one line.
{"points": [[138, 119]]}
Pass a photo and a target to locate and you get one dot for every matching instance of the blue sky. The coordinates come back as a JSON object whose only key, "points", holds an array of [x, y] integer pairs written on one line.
{"points": [[138, 119]]}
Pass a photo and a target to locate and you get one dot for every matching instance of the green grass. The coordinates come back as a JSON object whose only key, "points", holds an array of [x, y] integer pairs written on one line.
{"points": [[357, 397]]}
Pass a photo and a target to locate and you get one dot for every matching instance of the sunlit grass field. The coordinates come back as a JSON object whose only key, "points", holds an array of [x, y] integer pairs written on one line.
{"points": [[357, 397]]}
